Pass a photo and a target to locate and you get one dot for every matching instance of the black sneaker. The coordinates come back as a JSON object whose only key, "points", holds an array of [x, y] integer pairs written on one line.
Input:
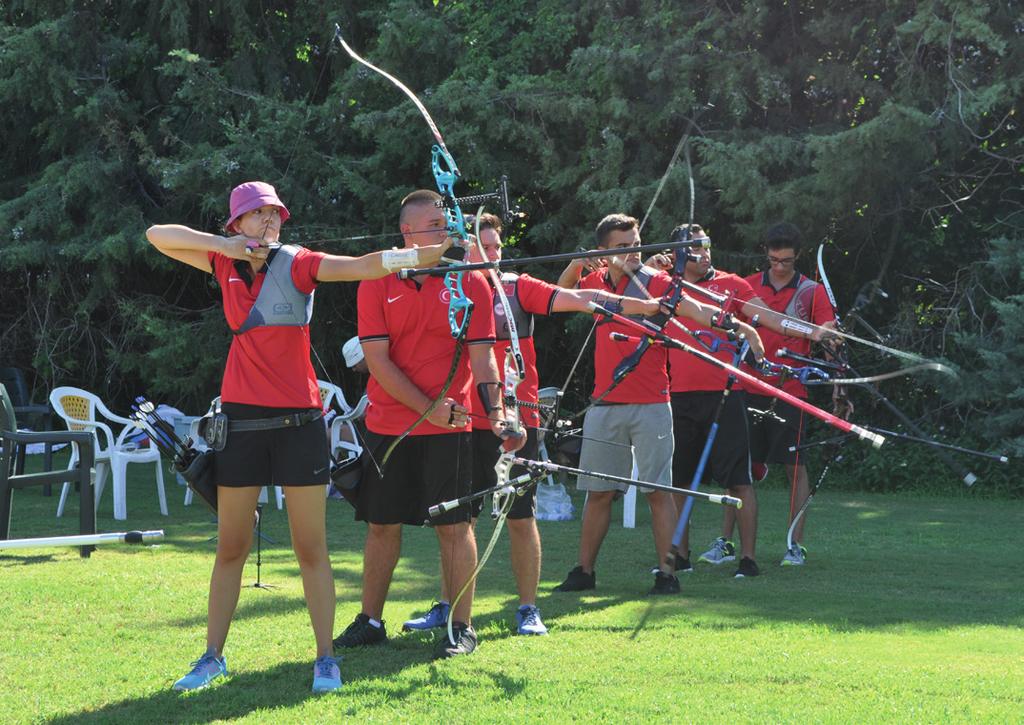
{"points": [[465, 642], [361, 633], [748, 567], [665, 584], [578, 581], [682, 565]]}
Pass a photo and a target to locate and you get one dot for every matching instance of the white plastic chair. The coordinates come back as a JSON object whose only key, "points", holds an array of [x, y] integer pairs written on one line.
{"points": [[348, 443], [331, 394], [78, 408]]}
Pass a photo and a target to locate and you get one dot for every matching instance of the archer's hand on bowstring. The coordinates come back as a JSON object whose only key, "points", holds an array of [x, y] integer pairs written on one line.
{"points": [[661, 261], [582, 267], [246, 249], [449, 414]]}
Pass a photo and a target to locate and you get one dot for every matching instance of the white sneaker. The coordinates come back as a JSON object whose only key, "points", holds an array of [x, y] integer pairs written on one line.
{"points": [[795, 556]]}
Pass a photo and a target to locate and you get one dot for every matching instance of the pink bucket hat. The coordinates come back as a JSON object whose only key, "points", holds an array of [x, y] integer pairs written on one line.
{"points": [[252, 195]]}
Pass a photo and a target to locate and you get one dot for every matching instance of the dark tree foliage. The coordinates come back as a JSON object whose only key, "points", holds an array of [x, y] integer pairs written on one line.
{"points": [[888, 131]]}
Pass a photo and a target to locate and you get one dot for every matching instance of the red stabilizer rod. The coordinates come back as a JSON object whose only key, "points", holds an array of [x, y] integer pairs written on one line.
{"points": [[824, 416]]}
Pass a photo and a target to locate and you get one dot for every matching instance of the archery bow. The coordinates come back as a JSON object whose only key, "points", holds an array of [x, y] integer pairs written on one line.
{"points": [[446, 172], [966, 476], [513, 374], [630, 362]]}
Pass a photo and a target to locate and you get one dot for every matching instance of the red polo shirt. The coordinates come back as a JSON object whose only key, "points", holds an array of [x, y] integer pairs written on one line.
{"points": [[687, 371], [267, 366], [414, 321], [535, 297], [648, 383], [815, 308]]}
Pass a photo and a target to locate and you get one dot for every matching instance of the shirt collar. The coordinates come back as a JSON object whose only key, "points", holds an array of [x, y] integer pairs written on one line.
{"points": [[794, 283]]}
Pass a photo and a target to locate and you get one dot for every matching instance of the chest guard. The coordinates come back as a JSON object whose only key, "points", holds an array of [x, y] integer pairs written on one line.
{"points": [[279, 302], [803, 298], [524, 320], [639, 282]]}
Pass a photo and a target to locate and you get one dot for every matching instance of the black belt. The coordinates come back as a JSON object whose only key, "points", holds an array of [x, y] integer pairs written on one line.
{"points": [[295, 420]]}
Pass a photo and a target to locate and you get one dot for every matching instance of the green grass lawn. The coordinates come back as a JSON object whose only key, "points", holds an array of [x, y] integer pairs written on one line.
{"points": [[910, 609]]}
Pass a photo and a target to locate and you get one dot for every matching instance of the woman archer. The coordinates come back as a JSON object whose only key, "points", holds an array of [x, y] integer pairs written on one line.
{"points": [[270, 396]]}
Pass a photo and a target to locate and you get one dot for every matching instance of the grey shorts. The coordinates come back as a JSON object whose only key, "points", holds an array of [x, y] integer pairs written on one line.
{"points": [[645, 426]]}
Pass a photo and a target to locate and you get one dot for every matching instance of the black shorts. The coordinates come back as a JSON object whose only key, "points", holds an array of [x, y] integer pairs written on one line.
{"points": [[422, 471], [485, 455], [770, 438], [729, 462], [275, 457]]}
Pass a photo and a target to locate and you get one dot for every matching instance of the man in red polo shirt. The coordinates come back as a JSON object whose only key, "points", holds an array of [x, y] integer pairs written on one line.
{"points": [[527, 297], [783, 289], [407, 342], [633, 413], [696, 392]]}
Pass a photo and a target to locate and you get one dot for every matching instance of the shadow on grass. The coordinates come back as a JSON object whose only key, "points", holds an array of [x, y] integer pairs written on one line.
{"points": [[287, 685], [875, 562], [23, 560]]}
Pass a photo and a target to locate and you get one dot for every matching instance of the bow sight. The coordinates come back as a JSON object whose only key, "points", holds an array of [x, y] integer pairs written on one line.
{"points": [[509, 212]]}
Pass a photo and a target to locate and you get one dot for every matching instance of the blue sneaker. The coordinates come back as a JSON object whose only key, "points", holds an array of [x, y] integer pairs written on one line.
{"points": [[528, 620], [205, 670], [326, 674], [436, 617]]}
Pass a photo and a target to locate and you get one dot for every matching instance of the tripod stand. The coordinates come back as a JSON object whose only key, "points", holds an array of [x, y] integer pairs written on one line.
{"points": [[259, 550]]}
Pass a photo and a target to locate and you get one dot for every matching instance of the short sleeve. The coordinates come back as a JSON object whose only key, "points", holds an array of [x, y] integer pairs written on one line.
{"points": [[743, 292], [372, 325], [305, 268], [535, 295]]}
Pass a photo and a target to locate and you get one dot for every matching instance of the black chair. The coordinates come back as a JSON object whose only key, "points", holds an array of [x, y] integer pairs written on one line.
{"points": [[33, 417], [11, 442]]}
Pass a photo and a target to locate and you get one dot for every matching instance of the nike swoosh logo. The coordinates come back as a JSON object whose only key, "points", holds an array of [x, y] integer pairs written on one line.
{"points": [[392, 299], [663, 436], [235, 279], [318, 471]]}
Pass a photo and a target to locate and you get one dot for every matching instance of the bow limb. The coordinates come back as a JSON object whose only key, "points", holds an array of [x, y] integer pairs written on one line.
{"points": [[839, 382], [504, 498], [405, 89], [513, 366]]}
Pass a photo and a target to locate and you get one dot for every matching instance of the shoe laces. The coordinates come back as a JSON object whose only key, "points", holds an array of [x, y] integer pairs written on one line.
{"points": [[439, 607], [530, 615], [325, 666], [202, 663]]}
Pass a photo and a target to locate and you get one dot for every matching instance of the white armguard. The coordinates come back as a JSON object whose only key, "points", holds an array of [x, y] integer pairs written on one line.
{"points": [[789, 324], [394, 259]]}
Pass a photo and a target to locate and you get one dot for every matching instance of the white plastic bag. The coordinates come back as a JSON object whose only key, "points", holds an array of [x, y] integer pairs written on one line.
{"points": [[553, 503]]}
